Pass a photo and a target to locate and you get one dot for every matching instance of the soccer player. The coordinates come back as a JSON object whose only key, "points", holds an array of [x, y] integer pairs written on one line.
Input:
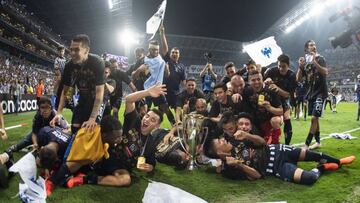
{"points": [[282, 80], [252, 159], [314, 70], [86, 72], [183, 99], [176, 75], [265, 106]]}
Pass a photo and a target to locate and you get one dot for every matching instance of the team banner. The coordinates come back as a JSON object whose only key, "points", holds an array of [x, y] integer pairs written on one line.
{"points": [[152, 25], [264, 52]]}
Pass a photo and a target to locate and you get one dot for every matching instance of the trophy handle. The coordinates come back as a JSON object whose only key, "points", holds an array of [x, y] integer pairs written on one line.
{"points": [[181, 139]]}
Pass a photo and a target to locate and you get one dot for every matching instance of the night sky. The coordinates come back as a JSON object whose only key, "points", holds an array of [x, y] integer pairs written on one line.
{"points": [[240, 20]]}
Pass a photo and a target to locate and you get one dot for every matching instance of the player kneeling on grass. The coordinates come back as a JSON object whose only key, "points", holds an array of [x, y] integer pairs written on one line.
{"points": [[133, 148], [253, 159]]}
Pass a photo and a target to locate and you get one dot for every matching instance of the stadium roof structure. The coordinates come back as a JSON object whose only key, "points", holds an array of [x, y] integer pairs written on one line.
{"points": [[193, 49]]}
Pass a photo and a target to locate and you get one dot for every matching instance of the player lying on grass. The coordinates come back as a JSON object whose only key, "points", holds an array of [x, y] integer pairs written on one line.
{"points": [[253, 159], [133, 148]]}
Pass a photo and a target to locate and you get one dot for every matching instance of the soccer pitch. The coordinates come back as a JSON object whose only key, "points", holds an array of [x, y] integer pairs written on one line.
{"points": [[342, 185]]}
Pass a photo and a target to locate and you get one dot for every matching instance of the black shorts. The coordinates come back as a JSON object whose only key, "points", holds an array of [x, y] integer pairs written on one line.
{"points": [[116, 101], [283, 161], [315, 107], [108, 167], [300, 99], [82, 113], [156, 101], [171, 100]]}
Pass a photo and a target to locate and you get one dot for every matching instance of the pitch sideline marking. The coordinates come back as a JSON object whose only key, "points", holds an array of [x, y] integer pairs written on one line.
{"points": [[15, 126], [327, 137]]}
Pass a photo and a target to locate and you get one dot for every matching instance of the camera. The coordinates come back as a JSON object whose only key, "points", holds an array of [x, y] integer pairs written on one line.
{"points": [[208, 56]]}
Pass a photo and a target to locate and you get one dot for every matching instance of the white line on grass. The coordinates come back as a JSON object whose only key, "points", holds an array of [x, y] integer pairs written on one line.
{"points": [[327, 137], [15, 126]]}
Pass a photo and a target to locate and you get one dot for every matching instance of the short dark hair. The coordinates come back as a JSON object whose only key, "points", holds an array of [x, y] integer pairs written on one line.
{"points": [[283, 58], [190, 79], [175, 159], [221, 85], [226, 118], [48, 157], [253, 72], [61, 48], [209, 149], [250, 62], [109, 124], [83, 39], [107, 64], [245, 115], [306, 45], [159, 113], [228, 65], [44, 100]]}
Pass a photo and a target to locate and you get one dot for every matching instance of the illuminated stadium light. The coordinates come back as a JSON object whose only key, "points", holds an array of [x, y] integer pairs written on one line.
{"points": [[110, 2], [313, 9], [128, 38]]}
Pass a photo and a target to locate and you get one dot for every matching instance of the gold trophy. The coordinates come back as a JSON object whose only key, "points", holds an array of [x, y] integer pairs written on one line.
{"points": [[192, 133]]}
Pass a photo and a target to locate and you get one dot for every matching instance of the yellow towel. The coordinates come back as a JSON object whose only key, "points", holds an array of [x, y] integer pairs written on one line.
{"points": [[88, 146]]}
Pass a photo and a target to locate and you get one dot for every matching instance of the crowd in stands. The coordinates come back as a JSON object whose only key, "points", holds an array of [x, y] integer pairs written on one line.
{"points": [[28, 74], [26, 31]]}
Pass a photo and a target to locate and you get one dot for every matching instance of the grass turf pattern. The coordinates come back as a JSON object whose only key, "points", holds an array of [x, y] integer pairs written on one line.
{"points": [[340, 186]]}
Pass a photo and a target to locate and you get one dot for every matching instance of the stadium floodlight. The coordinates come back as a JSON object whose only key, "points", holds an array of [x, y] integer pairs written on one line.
{"points": [[128, 38], [110, 2], [316, 8]]}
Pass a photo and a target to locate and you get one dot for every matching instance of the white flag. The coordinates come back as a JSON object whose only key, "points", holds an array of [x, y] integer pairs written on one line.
{"points": [[264, 52], [33, 188], [152, 25], [157, 192]]}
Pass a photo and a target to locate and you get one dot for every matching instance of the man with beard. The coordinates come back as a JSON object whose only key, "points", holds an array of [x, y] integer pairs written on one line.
{"points": [[265, 107], [237, 87], [252, 159], [86, 72], [119, 76], [182, 103], [314, 70], [282, 81]]}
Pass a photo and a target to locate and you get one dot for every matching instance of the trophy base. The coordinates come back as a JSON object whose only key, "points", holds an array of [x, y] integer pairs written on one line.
{"points": [[192, 165]]}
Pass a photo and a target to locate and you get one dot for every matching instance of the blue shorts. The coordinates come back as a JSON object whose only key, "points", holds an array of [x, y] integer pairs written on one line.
{"points": [[316, 107]]}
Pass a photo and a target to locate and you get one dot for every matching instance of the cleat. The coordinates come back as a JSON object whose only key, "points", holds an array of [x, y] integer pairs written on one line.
{"points": [[330, 166], [49, 186], [347, 160], [315, 146], [76, 181]]}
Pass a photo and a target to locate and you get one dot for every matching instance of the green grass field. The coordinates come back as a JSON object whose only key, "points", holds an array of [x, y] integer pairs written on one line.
{"points": [[340, 186]]}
